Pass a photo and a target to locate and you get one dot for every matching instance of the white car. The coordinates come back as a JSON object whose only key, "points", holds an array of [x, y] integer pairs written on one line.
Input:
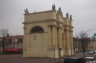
{"points": [[91, 52], [90, 60]]}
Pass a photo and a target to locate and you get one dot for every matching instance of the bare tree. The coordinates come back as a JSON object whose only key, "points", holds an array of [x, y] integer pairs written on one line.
{"points": [[84, 39], [3, 34]]}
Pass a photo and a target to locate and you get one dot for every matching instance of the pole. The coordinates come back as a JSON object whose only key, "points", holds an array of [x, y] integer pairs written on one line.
{"points": [[54, 53]]}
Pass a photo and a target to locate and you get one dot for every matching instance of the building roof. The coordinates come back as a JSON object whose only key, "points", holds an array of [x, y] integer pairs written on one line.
{"points": [[8, 38], [17, 37]]}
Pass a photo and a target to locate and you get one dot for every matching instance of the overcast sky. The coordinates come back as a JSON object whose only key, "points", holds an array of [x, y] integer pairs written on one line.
{"points": [[83, 12]]}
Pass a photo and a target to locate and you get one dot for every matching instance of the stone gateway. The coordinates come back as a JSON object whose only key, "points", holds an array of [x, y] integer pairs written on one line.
{"points": [[47, 34]]}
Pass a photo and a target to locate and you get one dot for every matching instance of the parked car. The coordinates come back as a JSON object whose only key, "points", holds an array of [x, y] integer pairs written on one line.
{"points": [[90, 60], [94, 51], [91, 52], [74, 60]]}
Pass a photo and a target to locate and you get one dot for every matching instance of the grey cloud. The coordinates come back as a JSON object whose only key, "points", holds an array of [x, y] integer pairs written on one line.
{"points": [[83, 11]]}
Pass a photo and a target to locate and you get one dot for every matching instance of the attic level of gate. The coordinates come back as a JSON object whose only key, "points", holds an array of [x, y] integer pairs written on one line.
{"points": [[46, 15]]}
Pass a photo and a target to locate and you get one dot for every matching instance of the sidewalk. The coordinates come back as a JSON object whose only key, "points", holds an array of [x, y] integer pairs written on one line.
{"points": [[80, 54], [13, 58]]}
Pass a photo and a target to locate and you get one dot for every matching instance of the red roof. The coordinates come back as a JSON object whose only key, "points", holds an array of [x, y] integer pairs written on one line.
{"points": [[12, 50], [13, 37], [17, 36]]}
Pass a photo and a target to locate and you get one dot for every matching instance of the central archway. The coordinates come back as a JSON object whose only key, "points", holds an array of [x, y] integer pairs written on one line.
{"points": [[38, 42], [37, 29]]}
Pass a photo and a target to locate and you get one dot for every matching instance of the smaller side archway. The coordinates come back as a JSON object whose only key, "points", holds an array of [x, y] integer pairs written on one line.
{"points": [[37, 29]]}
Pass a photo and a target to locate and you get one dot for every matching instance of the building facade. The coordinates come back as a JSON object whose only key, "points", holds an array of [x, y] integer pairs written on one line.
{"points": [[13, 42], [48, 34], [0, 44], [83, 44]]}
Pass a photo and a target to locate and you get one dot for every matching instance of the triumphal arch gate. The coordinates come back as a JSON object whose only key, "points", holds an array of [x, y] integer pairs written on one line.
{"points": [[48, 34]]}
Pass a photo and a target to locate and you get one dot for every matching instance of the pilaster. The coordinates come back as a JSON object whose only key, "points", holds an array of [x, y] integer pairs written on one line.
{"points": [[53, 35], [71, 42], [52, 50], [67, 45], [50, 36]]}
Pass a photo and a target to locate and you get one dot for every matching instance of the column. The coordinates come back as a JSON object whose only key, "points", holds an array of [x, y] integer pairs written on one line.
{"points": [[53, 51], [58, 44], [54, 35], [63, 39], [72, 43], [59, 38], [64, 43], [67, 44], [61, 45], [24, 39], [50, 36], [24, 46]]}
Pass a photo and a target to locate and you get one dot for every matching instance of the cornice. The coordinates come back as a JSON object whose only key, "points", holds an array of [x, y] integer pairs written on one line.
{"points": [[40, 12], [68, 26], [71, 27], [40, 21], [58, 22]]}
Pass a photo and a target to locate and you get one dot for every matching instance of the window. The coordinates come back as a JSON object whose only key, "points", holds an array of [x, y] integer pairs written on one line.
{"points": [[37, 29], [16, 40]]}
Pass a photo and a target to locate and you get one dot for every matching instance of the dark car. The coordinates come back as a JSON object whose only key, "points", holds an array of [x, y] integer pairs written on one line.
{"points": [[74, 60]]}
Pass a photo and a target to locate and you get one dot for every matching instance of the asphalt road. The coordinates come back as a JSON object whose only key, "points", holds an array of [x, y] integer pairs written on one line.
{"points": [[17, 58]]}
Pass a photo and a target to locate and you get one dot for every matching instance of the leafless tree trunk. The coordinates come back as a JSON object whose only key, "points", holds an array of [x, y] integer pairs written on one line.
{"points": [[3, 34], [84, 41]]}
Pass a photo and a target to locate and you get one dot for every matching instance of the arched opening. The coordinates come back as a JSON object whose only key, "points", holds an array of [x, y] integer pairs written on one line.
{"points": [[37, 29]]}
